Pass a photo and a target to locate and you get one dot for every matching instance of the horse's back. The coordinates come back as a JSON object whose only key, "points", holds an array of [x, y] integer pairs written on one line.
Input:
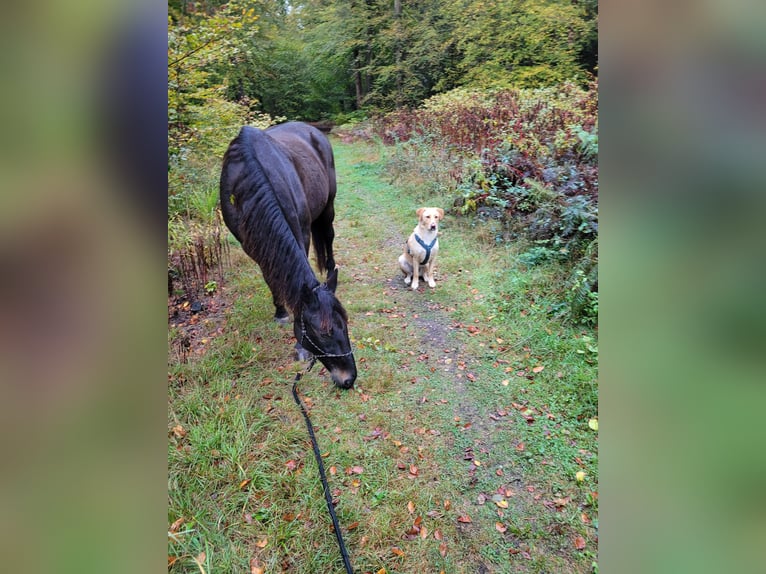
{"points": [[311, 154]]}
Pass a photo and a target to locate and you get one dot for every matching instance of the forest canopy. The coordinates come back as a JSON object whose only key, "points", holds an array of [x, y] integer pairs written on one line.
{"points": [[325, 59]]}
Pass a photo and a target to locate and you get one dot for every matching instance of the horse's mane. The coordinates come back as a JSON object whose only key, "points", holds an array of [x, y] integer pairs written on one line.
{"points": [[259, 220]]}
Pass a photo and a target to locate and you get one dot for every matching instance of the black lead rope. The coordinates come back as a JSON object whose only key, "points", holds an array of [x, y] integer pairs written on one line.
{"points": [[323, 476]]}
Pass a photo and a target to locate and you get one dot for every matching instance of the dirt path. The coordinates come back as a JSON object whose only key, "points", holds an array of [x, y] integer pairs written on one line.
{"points": [[375, 218]]}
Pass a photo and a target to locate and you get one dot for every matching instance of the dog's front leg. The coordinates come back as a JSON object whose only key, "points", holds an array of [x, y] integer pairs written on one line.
{"points": [[429, 275], [415, 272]]}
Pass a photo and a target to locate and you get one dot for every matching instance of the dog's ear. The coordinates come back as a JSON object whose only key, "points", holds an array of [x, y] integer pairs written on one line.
{"points": [[420, 211], [440, 211]]}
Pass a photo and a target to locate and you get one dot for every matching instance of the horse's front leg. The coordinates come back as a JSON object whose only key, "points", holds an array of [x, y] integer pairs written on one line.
{"points": [[301, 354], [280, 314]]}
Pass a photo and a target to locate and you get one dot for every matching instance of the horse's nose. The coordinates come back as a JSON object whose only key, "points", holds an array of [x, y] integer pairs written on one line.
{"points": [[344, 379]]}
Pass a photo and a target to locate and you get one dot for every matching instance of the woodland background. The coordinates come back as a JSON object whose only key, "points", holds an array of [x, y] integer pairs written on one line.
{"points": [[495, 101]]}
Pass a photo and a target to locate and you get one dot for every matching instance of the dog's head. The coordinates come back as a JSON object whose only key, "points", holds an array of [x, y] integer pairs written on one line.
{"points": [[429, 217]]}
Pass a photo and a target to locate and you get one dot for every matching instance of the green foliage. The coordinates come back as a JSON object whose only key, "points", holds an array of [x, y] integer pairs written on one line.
{"points": [[528, 43], [583, 287], [202, 46], [325, 57]]}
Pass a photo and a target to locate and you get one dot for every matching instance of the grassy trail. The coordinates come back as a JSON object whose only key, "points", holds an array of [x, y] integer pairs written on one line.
{"points": [[457, 451]]}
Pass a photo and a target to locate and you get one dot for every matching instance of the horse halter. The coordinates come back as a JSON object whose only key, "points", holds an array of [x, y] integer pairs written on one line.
{"points": [[322, 354]]}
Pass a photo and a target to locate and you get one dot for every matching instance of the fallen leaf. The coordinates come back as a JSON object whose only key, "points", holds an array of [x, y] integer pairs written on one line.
{"points": [[411, 506], [447, 505], [179, 431], [172, 560], [580, 475], [255, 566], [353, 525], [333, 470], [593, 423], [443, 549], [500, 527], [398, 551], [424, 533], [411, 534], [381, 571], [464, 518], [244, 483], [579, 542], [199, 559], [438, 534], [538, 368], [502, 503], [176, 525], [291, 465], [413, 470], [262, 543]]}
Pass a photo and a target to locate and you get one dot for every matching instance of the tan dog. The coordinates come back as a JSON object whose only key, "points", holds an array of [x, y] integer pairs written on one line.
{"points": [[421, 248]]}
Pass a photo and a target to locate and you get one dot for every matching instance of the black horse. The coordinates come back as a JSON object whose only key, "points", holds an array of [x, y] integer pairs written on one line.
{"points": [[277, 192]]}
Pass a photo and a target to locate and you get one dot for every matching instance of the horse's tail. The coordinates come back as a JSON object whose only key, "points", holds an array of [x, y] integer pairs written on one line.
{"points": [[322, 247], [322, 232]]}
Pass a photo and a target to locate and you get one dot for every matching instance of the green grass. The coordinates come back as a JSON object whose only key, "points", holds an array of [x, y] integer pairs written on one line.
{"points": [[447, 377]]}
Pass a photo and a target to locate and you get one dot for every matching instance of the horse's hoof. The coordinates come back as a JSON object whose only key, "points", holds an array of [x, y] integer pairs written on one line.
{"points": [[282, 319], [302, 354]]}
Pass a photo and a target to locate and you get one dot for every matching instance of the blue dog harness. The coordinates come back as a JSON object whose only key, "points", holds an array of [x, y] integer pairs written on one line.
{"points": [[424, 246]]}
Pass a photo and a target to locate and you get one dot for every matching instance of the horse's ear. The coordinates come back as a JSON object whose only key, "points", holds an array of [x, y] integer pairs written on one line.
{"points": [[308, 296], [332, 279]]}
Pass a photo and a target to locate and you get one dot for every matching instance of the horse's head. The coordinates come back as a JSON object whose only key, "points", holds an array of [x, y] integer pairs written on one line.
{"points": [[322, 329]]}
